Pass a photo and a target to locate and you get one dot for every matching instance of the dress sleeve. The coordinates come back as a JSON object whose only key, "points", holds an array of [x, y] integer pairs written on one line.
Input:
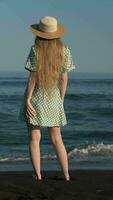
{"points": [[68, 64], [30, 64]]}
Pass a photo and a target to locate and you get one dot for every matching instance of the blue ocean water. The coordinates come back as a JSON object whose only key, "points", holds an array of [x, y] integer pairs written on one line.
{"points": [[88, 136]]}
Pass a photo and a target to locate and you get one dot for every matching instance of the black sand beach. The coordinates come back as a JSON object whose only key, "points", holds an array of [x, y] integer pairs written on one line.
{"points": [[85, 185]]}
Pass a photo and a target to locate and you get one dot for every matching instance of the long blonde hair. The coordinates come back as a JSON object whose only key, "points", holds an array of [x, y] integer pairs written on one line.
{"points": [[49, 56]]}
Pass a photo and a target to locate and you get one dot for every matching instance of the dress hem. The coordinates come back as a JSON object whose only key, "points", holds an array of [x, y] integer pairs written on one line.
{"points": [[42, 125], [47, 125]]}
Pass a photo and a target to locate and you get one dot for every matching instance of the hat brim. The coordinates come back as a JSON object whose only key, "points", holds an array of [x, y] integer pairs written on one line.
{"points": [[48, 35]]}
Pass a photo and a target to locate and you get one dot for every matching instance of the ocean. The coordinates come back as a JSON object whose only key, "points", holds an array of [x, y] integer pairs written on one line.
{"points": [[88, 136]]}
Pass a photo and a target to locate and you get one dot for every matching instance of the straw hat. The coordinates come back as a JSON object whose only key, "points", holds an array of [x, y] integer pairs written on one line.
{"points": [[48, 28]]}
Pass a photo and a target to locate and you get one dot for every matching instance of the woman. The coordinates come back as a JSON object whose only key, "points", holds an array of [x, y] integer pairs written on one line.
{"points": [[48, 62]]}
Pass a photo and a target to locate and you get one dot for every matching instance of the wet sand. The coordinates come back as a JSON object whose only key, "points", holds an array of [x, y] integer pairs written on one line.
{"points": [[85, 185]]}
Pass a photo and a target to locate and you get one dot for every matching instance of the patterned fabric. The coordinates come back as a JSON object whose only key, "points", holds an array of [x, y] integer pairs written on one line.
{"points": [[50, 111], [68, 61], [31, 60]]}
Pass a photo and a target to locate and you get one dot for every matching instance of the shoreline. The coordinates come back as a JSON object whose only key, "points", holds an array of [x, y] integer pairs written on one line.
{"points": [[52, 164], [86, 184]]}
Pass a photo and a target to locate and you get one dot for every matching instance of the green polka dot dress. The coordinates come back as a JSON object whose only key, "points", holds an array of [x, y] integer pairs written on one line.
{"points": [[49, 112]]}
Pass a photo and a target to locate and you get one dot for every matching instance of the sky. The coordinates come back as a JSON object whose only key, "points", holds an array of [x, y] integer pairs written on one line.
{"points": [[88, 31]]}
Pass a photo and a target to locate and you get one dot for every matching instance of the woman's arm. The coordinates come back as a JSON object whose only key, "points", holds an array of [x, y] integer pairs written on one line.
{"points": [[63, 84], [30, 85], [29, 91]]}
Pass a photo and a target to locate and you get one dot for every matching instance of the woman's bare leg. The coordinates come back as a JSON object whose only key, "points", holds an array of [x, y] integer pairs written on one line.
{"points": [[34, 148], [56, 138]]}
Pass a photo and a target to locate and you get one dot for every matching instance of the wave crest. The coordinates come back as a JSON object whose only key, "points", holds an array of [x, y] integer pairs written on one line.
{"points": [[99, 149]]}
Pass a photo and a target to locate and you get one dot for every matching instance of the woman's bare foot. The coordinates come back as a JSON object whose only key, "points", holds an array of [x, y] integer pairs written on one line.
{"points": [[37, 177], [67, 177]]}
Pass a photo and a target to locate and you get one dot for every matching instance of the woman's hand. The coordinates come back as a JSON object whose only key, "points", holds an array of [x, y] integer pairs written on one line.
{"points": [[30, 111]]}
